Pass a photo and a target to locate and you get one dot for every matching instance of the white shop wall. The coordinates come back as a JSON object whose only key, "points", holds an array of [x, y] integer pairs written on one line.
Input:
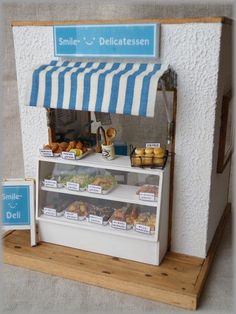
{"points": [[193, 52]]}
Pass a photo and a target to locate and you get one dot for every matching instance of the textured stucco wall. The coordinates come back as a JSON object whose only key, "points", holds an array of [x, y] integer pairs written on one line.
{"points": [[193, 51], [220, 182], [33, 46]]}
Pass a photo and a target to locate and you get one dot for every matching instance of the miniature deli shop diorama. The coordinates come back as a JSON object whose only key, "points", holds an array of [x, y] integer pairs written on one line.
{"points": [[120, 168]]}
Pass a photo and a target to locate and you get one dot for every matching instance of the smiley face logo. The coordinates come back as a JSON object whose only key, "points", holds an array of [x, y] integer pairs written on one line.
{"points": [[89, 42], [12, 205]]}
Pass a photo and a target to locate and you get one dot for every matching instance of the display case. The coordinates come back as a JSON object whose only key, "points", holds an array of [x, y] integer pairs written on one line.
{"points": [[102, 206]]}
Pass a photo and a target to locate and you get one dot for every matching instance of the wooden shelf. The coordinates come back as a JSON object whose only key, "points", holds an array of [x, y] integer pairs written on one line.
{"points": [[178, 281], [121, 193]]}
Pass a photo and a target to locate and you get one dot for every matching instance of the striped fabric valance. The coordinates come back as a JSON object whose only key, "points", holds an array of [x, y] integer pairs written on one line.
{"points": [[123, 88]]}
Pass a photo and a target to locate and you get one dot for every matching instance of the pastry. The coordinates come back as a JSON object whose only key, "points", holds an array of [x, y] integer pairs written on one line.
{"points": [[106, 182], [136, 161], [69, 148], [139, 151], [81, 208], [149, 150], [159, 152], [158, 161], [59, 150], [63, 146], [46, 146], [79, 145], [147, 161], [147, 188], [146, 219], [72, 144], [54, 147]]}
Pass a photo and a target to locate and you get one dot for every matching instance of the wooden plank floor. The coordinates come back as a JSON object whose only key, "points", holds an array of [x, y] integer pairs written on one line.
{"points": [[178, 280]]}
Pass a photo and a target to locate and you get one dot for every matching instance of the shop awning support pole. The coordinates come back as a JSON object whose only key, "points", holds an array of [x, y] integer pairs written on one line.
{"points": [[168, 114], [49, 126]]}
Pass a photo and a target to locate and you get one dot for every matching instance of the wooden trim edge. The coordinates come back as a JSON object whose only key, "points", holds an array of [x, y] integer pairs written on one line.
{"points": [[213, 19], [202, 277]]}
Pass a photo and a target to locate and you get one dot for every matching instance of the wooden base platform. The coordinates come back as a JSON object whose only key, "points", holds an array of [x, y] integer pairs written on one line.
{"points": [[178, 281]]}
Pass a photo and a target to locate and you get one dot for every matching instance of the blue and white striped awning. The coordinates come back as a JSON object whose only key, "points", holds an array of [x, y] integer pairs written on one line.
{"points": [[123, 88]]}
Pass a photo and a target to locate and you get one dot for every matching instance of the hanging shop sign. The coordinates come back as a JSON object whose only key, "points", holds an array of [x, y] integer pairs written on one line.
{"points": [[107, 40], [18, 209]]}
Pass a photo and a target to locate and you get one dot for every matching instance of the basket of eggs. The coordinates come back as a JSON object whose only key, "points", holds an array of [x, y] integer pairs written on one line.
{"points": [[148, 157]]}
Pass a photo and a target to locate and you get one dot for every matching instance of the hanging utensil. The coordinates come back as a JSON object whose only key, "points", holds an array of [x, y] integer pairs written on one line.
{"points": [[110, 135], [100, 129]]}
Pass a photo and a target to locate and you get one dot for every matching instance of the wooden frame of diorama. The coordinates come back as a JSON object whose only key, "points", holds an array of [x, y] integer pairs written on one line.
{"points": [[226, 133]]}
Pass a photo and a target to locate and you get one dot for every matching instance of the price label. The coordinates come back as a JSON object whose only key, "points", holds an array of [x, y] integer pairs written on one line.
{"points": [[71, 216], [50, 211], [94, 189], [72, 186], [50, 183], [96, 219], [46, 152], [119, 224], [68, 155], [143, 196], [153, 145], [142, 228]]}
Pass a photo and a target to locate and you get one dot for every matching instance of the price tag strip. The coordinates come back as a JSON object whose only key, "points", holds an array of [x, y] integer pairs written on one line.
{"points": [[71, 216], [94, 189], [46, 152], [72, 186], [68, 155], [50, 211], [143, 196], [95, 219], [153, 145], [50, 183], [142, 229], [119, 224]]}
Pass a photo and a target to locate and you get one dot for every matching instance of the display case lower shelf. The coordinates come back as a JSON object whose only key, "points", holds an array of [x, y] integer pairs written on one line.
{"points": [[99, 228], [124, 193], [98, 239]]}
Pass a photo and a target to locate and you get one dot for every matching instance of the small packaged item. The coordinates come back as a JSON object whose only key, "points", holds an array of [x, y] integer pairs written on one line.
{"points": [[102, 184], [123, 218], [53, 182], [148, 192], [50, 210], [77, 182], [100, 215], [78, 210], [145, 223]]}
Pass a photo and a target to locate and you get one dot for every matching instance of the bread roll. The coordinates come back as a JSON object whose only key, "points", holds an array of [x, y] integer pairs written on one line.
{"points": [[46, 146], [147, 161], [149, 150], [136, 161], [159, 152], [54, 146], [158, 161], [139, 151], [72, 144], [79, 145]]}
